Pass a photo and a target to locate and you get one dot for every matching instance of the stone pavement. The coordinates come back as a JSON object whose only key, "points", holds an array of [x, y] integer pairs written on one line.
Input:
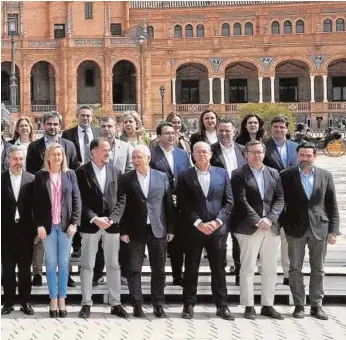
{"points": [[205, 325]]}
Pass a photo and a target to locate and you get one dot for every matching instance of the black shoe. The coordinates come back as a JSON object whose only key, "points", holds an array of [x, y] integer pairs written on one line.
{"points": [[298, 312], [159, 312], [62, 313], [250, 313], [318, 313], [178, 282], [27, 309], [76, 253], [271, 313], [224, 313], [53, 313], [187, 312], [119, 311], [37, 280], [232, 270], [99, 281], [237, 280], [123, 281], [286, 281], [70, 282], [7, 309], [138, 312], [84, 312]]}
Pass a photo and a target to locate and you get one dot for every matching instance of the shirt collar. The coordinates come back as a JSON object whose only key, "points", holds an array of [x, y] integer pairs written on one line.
{"points": [[80, 129], [279, 143], [227, 148], [199, 172], [210, 133], [142, 176], [15, 176], [167, 151], [95, 167], [256, 170], [312, 172]]}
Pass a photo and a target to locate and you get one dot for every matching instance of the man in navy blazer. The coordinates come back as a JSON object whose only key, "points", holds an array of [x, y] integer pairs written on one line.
{"points": [[205, 198], [229, 155], [172, 161], [281, 154]]}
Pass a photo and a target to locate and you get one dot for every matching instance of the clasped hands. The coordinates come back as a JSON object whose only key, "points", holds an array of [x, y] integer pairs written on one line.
{"points": [[264, 224], [103, 222], [126, 238], [208, 228]]}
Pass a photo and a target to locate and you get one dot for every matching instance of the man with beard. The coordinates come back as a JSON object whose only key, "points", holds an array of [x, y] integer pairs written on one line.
{"points": [[311, 218], [34, 162]]}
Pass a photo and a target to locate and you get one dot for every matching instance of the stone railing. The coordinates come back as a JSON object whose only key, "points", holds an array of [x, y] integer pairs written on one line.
{"points": [[298, 107], [43, 108], [191, 108], [124, 107], [337, 106]]}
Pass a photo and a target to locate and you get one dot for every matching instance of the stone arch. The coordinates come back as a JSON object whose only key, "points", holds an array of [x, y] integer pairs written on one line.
{"points": [[230, 61], [193, 61], [129, 59], [328, 61], [279, 60]]}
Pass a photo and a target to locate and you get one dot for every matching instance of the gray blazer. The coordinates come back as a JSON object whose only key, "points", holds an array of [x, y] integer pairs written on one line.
{"points": [[122, 156]]}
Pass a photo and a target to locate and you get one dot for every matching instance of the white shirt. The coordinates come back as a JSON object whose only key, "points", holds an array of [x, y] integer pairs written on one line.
{"points": [[15, 181], [144, 182], [212, 137], [2, 146], [81, 135], [100, 175], [170, 157], [230, 158]]}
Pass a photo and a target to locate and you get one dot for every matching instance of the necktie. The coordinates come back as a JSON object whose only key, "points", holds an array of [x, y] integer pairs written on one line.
{"points": [[86, 138]]}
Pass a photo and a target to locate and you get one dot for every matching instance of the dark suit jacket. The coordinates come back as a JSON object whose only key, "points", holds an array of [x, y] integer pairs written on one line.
{"points": [[320, 212], [273, 158], [4, 155], [159, 162], [36, 150], [218, 159], [198, 137], [109, 204], [24, 204], [158, 205], [249, 205], [194, 205], [70, 201], [72, 136]]}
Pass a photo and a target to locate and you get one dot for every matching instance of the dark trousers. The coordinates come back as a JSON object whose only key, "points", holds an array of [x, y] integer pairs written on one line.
{"points": [[16, 250], [216, 249], [157, 248], [235, 254], [176, 250], [77, 241]]}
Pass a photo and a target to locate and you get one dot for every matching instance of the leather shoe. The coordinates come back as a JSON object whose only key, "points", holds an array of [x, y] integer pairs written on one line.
{"points": [[84, 312], [7, 309], [98, 281], [271, 313], [37, 280], [53, 313], [27, 309], [76, 253], [318, 313], [224, 313], [187, 312], [70, 282], [250, 313], [118, 310], [62, 313], [159, 312], [123, 281], [237, 280], [138, 312], [286, 281], [298, 312], [178, 282]]}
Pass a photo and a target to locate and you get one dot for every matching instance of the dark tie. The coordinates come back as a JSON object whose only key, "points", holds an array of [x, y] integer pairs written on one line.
{"points": [[86, 138]]}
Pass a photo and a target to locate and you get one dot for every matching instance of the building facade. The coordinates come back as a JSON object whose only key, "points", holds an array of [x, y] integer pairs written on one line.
{"points": [[217, 54]]}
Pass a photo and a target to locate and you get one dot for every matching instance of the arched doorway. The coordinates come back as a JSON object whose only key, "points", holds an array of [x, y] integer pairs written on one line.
{"points": [[337, 81], [6, 82], [89, 83], [42, 85]]}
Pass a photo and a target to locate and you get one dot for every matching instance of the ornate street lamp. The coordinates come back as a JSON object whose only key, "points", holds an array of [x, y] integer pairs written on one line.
{"points": [[12, 31], [162, 93], [141, 71]]}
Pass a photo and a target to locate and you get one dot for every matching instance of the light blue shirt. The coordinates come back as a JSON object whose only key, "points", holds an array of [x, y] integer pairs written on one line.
{"points": [[282, 148], [307, 181], [259, 177]]}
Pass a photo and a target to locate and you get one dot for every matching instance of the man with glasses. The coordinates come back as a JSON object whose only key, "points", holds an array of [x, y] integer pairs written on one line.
{"points": [[258, 199]]}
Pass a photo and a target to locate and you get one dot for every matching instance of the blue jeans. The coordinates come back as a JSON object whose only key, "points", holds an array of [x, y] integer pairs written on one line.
{"points": [[57, 247]]}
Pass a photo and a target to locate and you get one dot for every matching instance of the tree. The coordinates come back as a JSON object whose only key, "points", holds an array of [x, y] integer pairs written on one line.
{"points": [[98, 113]]}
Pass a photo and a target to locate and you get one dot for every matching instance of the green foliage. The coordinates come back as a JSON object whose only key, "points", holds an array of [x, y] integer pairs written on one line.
{"points": [[98, 113]]}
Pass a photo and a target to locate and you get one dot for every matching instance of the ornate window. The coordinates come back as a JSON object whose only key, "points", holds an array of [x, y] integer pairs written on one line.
{"points": [[178, 31], [327, 25], [237, 29], [287, 27], [225, 30], [275, 27], [248, 28], [200, 31], [188, 31], [340, 25], [150, 30], [88, 10], [300, 26]]}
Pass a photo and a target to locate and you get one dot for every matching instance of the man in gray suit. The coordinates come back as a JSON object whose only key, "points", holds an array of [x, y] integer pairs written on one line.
{"points": [[311, 217], [151, 223]]}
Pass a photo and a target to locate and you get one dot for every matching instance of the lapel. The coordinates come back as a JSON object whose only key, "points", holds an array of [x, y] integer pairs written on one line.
{"points": [[76, 138], [196, 183], [275, 152], [219, 154], [109, 177], [64, 183], [151, 180], [90, 172], [136, 184], [9, 184], [251, 180], [41, 147], [299, 183], [267, 180], [317, 183], [46, 179], [163, 160], [239, 155], [212, 181]]}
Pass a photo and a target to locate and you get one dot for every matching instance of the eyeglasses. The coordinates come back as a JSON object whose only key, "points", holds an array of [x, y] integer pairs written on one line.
{"points": [[257, 153]]}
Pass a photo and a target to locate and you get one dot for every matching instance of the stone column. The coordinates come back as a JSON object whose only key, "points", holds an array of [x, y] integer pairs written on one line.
{"points": [[325, 88], [312, 86], [260, 89], [211, 101], [272, 89], [222, 80], [173, 91]]}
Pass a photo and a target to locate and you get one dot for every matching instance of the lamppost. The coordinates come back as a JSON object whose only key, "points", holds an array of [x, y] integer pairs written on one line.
{"points": [[12, 31], [141, 72], [162, 93]]}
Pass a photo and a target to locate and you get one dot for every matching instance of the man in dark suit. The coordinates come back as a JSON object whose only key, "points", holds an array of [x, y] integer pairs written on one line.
{"points": [[152, 225], [17, 231], [205, 198], [172, 161], [102, 207], [258, 198], [311, 218], [81, 135], [281, 154], [229, 155], [34, 162], [4, 148]]}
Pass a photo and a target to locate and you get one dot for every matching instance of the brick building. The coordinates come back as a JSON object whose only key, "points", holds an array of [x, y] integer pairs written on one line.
{"points": [[215, 54]]}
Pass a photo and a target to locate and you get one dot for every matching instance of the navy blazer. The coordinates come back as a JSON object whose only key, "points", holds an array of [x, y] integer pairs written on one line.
{"points": [[159, 162], [194, 205], [273, 159], [70, 201], [249, 206]]}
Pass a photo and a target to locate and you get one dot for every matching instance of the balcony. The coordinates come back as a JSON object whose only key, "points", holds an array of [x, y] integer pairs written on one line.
{"points": [[42, 108], [191, 108], [337, 106], [298, 106], [124, 107]]}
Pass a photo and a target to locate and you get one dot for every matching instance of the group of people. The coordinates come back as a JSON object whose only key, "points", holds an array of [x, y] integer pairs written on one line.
{"points": [[110, 198]]}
